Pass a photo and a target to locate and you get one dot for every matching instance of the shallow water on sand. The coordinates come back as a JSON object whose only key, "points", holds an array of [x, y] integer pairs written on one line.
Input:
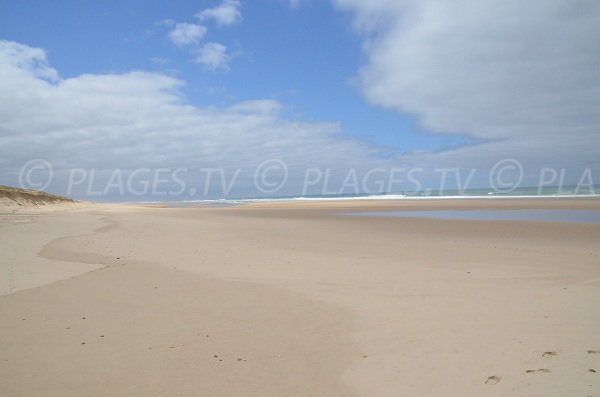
{"points": [[569, 216]]}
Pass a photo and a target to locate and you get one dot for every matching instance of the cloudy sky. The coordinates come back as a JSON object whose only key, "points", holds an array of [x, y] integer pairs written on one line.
{"points": [[297, 96]]}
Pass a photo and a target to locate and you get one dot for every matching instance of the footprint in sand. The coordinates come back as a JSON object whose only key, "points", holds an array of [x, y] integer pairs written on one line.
{"points": [[549, 354], [492, 380], [545, 370]]}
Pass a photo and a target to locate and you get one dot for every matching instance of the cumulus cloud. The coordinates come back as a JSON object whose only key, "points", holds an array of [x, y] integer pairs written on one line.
{"points": [[213, 56], [227, 13], [184, 34], [520, 78], [26, 59], [139, 119]]}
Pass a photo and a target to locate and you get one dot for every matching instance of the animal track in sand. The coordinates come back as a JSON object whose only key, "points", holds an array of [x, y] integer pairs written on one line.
{"points": [[549, 354], [545, 370], [492, 380]]}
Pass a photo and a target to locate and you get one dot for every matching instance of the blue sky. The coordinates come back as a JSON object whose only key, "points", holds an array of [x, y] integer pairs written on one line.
{"points": [[338, 86], [305, 56]]}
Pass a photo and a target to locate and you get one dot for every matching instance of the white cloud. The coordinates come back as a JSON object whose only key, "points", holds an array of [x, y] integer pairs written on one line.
{"points": [[227, 13], [213, 56], [140, 119], [522, 76], [186, 33], [24, 58]]}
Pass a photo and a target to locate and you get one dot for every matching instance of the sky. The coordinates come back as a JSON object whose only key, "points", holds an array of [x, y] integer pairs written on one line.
{"points": [[206, 99]]}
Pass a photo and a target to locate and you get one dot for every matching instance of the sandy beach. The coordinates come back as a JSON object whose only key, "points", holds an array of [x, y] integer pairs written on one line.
{"points": [[295, 299]]}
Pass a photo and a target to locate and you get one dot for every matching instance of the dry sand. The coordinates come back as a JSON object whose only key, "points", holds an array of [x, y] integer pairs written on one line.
{"points": [[292, 299]]}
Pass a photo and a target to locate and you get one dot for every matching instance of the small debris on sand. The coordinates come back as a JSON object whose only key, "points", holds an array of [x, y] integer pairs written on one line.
{"points": [[545, 370], [492, 380]]}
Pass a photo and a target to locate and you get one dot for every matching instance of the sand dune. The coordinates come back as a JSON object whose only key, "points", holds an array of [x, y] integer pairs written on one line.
{"points": [[11, 197]]}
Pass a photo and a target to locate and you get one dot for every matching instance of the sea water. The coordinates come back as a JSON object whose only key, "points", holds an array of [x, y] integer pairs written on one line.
{"points": [[524, 192], [569, 216]]}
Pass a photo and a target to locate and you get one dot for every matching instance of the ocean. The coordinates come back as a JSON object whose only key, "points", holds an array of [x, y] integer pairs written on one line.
{"points": [[523, 192]]}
